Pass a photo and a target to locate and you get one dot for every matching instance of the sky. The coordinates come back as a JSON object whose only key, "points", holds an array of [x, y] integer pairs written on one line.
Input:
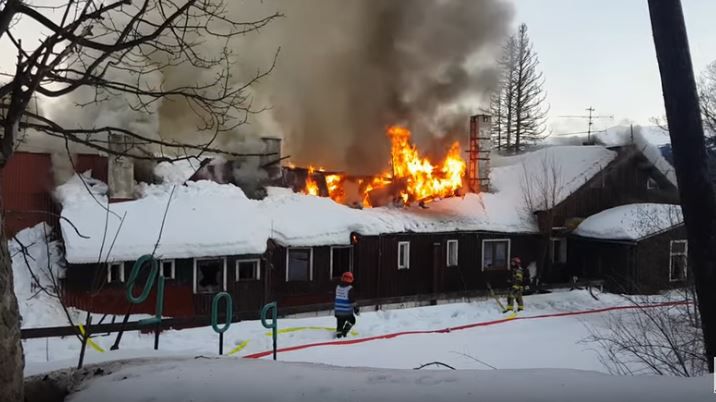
{"points": [[600, 53], [597, 53]]}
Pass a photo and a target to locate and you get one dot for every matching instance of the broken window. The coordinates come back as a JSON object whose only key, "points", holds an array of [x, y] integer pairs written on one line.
{"points": [[167, 269], [452, 253], [341, 260], [209, 275], [495, 253], [247, 270], [115, 272], [403, 255], [298, 264], [678, 258]]}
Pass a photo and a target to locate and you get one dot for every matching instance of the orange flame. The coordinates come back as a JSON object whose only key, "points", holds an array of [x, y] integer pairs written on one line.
{"points": [[416, 178], [423, 180], [311, 185]]}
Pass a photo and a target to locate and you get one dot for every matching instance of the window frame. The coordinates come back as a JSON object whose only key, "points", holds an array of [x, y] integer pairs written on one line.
{"points": [[507, 256], [558, 252], [195, 276], [651, 184], [685, 253], [407, 256], [350, 261], [456, 242], [310, 262], [121, 271], [174, 268], [257, 269]]}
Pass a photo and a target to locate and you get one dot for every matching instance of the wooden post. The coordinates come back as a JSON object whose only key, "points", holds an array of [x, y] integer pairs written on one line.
{"points": [[683, 113]]}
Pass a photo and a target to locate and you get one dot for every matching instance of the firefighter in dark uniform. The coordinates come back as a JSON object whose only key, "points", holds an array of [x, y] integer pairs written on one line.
{"points": [[517, 281], [345, 305]]}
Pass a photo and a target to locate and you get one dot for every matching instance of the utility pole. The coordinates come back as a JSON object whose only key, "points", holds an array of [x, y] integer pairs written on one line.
{"points": [[698, 199], [590, 121]]}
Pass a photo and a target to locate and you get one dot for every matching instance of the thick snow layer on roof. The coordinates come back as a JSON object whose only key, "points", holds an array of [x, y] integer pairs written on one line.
{"points": [[210, 219], [631, 222], [647, 140], [561, 168]]}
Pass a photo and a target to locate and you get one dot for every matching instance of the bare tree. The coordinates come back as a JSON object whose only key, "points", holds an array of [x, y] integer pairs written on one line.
{"points": [[707, 98], [541, 188], [109, 49], [519, 104], [663, 340]]}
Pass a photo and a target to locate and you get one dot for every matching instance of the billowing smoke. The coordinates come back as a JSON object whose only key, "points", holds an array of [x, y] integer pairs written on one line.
{"points": [[347, 69]]}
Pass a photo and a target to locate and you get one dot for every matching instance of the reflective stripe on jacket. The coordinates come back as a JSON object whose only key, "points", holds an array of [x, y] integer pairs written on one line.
{"points": [[343, 304]]}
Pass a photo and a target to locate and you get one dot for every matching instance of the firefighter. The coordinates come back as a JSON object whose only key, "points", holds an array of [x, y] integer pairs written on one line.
{"points": [[345, 305], [517, 281]]}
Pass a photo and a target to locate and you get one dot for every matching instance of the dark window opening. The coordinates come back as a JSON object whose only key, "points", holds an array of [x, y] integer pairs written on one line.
{"points": [[452, 253], [167, 269], [678, 258], [495, 254], [115, 272], [558, 251], [247, 270], [404, 255], [341, 261], [298, 266], [209, 276]]}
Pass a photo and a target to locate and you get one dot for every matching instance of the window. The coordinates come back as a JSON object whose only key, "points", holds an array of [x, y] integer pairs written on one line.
{"points": [[209, 275], [678, 257], [452, 253], [651, 184], [495, 253], [341, 260], [403, 255], [299, 264], [115, 272], [248, 270], [558, 250], [167, 269]]}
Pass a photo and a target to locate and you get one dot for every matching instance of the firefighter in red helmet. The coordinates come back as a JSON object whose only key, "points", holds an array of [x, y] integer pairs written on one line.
{"points": [[345, 306], [517, 281]]}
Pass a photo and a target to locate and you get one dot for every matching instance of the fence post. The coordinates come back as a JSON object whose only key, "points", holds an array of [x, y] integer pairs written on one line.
{"points": [[274, 323], [215, 317]]}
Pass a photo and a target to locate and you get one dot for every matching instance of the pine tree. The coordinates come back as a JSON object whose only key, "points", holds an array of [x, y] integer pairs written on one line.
{"points": [[518, 105]]}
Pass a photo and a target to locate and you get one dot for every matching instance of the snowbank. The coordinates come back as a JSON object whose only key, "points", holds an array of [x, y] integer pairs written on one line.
{"points": [[209, 219], [631, 222], [225, 379], [42, 259]]}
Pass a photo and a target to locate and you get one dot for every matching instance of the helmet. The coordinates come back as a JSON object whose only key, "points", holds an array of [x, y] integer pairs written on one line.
{"points": [[516, 261], [347, 277]]}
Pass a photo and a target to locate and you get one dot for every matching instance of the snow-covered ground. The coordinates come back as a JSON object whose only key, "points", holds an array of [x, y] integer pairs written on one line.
{"points": [[222, 379], [539, 343]]}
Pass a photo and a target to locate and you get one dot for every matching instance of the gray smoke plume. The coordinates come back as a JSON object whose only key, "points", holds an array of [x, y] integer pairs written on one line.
{"points": [[348, 69]]}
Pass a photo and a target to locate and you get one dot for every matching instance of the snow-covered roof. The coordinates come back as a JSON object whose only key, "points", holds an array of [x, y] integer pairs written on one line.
{"points": [[648, 140], [209, 219], [631, 222]]}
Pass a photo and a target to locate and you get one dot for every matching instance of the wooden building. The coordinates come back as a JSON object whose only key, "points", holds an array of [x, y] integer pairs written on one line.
{"points": [[635, 248], [292, 248]]}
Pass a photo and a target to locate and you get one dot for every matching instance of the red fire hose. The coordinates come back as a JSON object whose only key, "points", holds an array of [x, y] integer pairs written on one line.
{"points": [[461, 327]]}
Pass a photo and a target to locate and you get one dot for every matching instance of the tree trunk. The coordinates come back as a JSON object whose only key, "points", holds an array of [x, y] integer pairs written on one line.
{"points": [[13, 360], [698, 200]]}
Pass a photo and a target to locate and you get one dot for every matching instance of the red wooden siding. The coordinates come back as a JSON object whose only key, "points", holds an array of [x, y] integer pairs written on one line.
{"points": [[27, 184]]}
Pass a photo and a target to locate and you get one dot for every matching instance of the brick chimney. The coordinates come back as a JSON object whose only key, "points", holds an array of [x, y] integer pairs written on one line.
{"points": [[479, 147], [120, 169]]}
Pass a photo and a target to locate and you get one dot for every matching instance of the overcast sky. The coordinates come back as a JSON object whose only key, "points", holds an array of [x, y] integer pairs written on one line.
{"points": [[601, 53], [596, 53]]}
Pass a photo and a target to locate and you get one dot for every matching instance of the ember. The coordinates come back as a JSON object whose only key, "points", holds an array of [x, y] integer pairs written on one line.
{"points": [[412, 178]]}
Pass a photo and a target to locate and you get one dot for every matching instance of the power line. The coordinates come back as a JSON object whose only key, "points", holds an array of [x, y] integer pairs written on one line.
{"points": [[591, 116]]}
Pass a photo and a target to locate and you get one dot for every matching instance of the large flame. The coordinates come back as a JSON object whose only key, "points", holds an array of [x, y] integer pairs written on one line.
{"points": [[311, 185], [423, 179], [413, 177]]}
